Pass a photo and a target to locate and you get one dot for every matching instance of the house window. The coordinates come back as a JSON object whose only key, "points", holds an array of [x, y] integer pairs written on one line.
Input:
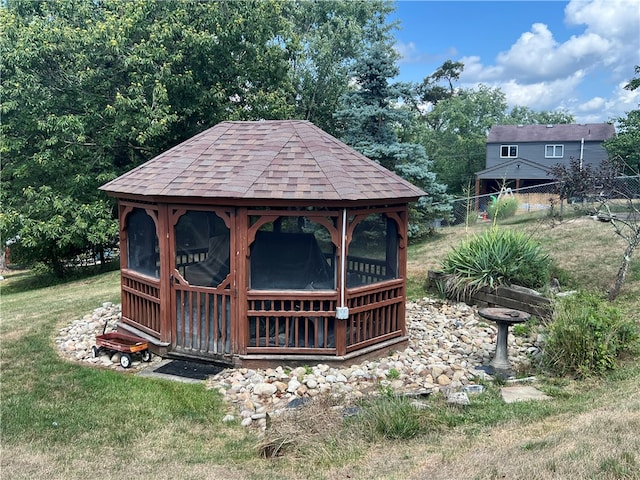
{"points": [[508, 151], [553, 151]]}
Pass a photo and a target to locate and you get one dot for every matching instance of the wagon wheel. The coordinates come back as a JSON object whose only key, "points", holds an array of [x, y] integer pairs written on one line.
{"points": [[95, 351], [146, 356], [125, 360]]}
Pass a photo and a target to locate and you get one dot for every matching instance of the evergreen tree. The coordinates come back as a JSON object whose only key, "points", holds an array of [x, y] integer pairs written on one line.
{"points": [[371, 116]]}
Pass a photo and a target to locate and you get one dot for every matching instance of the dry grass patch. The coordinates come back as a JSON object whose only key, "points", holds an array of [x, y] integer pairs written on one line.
{"points": [[598, 444], [316, 428]]}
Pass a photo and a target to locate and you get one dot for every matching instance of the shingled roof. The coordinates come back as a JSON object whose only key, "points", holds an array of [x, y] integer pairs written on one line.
{"points": [[269, 160], [570, 132]]}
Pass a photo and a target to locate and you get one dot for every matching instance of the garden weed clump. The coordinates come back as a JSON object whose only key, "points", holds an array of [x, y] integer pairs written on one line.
{"points": [[395, 417], [504, 207], [587, 336]]}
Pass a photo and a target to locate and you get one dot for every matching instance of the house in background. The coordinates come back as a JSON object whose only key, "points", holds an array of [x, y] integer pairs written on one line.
{"points": [[523, 155]]}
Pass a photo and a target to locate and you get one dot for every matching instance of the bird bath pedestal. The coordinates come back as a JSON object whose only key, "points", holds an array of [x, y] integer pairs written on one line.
{"points": [[503, 318]]}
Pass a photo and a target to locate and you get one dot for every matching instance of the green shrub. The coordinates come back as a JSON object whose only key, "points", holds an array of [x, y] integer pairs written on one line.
{"points": [[496, 257], [527, 328], [587, 336], [504, 207]]}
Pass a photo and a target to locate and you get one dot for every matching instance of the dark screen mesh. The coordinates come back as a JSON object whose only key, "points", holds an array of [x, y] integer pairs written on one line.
{"points": [[202, 248], [289, 261], [142, 243]]}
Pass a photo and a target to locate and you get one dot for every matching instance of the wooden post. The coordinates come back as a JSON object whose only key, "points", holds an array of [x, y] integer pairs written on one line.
{"points": [[403, 233], [124, 255], [239, 319], [341, 325], [166, 269]]}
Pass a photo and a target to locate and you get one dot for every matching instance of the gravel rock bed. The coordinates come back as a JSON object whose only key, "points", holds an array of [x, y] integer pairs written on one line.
{"points": [[448, 343]]}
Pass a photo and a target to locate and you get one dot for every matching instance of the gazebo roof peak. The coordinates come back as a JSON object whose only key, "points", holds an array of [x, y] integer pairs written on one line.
{"points": [[266, 160]]}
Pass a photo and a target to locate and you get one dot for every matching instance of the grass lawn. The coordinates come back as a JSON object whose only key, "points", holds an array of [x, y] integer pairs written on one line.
{"points": [[63, 420]]}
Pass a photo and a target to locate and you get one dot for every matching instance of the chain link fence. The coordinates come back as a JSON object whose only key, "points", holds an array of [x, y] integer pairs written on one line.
{"points": [[545, 200]]}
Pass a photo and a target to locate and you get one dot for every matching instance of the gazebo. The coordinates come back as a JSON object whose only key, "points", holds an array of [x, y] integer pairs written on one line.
{"points": [[257, 243]]}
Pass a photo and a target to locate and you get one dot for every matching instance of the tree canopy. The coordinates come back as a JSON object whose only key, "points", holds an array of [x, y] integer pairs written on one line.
{"points": [[92, 89], [625, 146], [452, 123], [371, 118], [325, 40]]}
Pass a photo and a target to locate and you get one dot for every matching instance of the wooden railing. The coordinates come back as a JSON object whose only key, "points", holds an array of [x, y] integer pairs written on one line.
{"points": [[367, 270], [203, 321], [291, 322], [141, 302], [185, 258], [374, 314]]}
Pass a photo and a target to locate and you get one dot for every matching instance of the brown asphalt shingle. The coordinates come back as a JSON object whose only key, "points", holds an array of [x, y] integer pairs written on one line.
{"points": [[277, 159]]}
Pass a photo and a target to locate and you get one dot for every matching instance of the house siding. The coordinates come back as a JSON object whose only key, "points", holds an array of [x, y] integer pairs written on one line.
{"points": [[593, 154]]}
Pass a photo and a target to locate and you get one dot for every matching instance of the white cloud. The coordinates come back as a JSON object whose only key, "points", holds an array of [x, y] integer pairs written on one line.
{"points": [[537, 56], [475, 71], [616, 20], [627, 99], [596, 103], [407, 51], [544, 74], [546, 95], [602, 109]]}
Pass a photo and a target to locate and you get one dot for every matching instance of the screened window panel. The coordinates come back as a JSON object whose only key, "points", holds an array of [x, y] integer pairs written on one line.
{"points": [[142, 244]]}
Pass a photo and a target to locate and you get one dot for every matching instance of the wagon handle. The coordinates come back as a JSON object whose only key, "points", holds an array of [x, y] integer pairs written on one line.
{"points": [[105, 326]]}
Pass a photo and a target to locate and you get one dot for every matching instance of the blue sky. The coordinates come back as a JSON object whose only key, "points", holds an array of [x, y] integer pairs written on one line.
{"points": [[573, 55]]}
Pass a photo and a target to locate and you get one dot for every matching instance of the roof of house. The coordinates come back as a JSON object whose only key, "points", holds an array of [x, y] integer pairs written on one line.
{"points": [[277, 159], [590, 132], [510, 168]]}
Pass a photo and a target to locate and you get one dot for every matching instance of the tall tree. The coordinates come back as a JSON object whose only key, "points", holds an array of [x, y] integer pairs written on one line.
{"points": [[520, 115], [91, 89], [625, 145], [94, 88], [371, 117], [431, 90], [456, 133], [326, 37]]}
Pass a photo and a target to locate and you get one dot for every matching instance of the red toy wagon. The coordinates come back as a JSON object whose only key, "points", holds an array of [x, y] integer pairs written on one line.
{"points": [[123, 343]]}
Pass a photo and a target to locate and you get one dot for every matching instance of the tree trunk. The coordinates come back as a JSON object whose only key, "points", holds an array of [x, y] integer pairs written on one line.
{"points": [[102, 258], [622, 271]]}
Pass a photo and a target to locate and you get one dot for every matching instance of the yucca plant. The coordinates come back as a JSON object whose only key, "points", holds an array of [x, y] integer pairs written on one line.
{"points": [[493, 258]]}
